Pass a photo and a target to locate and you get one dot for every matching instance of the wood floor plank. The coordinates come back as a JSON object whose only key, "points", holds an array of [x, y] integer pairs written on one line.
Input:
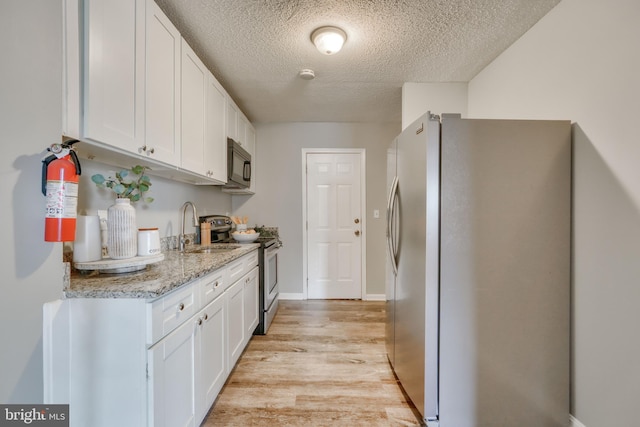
{"points": [[323, 363]]}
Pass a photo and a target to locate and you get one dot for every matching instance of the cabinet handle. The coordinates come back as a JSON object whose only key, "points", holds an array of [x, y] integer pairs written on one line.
{"points": [[199, 321], [141, 149], [206, 316], [215, 285], [153, 150], [181, 306]]}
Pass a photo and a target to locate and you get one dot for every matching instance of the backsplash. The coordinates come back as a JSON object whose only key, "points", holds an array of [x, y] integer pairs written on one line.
{"points": [[267, 231]]}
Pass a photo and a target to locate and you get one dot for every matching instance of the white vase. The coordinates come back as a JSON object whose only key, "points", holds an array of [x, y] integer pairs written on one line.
{"points": [[122, 232]]}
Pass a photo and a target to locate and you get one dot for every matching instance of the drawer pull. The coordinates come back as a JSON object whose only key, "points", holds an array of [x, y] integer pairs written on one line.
{"points": [[215, 285], [199, 321], [181, 306], [206, 316]]}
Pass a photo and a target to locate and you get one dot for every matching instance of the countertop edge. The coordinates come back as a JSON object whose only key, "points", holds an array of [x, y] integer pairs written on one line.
{"points": [[176, 270]]}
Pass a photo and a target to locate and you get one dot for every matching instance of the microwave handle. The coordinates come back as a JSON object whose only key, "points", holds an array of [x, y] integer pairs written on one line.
{"points": [[246, 171]]}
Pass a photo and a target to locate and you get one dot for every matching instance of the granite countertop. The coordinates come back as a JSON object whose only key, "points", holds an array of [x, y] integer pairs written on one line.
{"points": [[177, 268]]}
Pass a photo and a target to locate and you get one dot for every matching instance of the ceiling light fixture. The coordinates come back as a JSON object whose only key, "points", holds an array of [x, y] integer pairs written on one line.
{"points": [[328, 40]]}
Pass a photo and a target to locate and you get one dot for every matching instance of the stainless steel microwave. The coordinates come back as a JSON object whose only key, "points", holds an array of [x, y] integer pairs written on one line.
{"points": [[238, 165]]}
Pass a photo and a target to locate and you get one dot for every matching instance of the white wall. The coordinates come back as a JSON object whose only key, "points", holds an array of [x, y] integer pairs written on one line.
{"points": [[582, 62], [278, 201], [418, 98], [30, 117]]}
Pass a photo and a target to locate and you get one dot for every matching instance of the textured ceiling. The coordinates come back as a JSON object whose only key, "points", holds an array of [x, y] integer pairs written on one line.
{"points": [[256, 48]]}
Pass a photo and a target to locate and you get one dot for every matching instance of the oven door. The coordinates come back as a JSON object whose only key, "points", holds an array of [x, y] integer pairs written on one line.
{"points": [[271, 289]]}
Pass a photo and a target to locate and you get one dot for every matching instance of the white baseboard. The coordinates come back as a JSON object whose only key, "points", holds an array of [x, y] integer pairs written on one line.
{"points": [[300, 296], [291, 296], [574, 422]]}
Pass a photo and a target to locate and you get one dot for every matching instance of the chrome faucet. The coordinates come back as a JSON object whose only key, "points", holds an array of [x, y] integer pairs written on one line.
{"points": [[181, 238]]}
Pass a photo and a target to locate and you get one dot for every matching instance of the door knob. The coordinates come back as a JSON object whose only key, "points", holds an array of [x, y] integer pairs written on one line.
{"points": [[357, 221], [357, 232]]}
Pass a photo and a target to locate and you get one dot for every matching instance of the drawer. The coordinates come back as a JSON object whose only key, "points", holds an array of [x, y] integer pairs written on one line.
{"points": [[250, 261], [235, 270], [211, 286], [170, 311], [238, 268]]}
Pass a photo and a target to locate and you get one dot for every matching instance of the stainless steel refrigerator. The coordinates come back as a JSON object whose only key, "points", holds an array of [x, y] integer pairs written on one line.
{"points": [[478, 270]]}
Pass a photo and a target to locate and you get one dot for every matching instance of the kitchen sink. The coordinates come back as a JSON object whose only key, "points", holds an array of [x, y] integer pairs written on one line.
{"points": [[211, 250]]}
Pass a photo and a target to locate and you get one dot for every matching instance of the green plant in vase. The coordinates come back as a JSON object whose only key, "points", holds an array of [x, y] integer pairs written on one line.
{"points": [[127, 183]]}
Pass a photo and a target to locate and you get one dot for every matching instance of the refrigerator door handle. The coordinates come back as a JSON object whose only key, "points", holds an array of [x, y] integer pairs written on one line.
{"points": [[391, 213]]}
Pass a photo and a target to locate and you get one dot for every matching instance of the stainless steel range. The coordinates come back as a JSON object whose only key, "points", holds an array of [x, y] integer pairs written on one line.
{"points": [[268, 265], [269, 289]]}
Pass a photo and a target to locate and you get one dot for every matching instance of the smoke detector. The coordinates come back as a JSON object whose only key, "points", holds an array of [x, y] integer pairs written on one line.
{"points": [[307, 74]]}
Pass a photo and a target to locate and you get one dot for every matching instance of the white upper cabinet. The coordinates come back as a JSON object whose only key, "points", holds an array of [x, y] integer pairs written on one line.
{"points": [[232, 119], [162, 121], [194, 79], [242, 131], [135, 92], [215, 147], [203, 120], [114, 77]]}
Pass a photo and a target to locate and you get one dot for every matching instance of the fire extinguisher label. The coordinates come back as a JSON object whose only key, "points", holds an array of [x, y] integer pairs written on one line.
{"points": [[62, 199]]}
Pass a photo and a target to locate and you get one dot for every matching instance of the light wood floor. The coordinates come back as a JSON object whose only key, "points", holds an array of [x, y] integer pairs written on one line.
{"points": [[323, 363]]}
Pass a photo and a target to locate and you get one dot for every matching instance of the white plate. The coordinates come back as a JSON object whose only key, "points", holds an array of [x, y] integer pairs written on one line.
{"points": [[108, 265]]}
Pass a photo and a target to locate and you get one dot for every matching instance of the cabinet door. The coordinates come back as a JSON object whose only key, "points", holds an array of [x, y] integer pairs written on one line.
{"points": [[162, 118], [250, 137], [171, 375], [114, 72], [212, 372], [242, 131], [232, 120], [215, 147], [250, 303], [194, 78], [235, 322]]}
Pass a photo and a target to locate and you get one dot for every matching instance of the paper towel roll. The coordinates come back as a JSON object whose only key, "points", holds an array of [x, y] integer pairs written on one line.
{"points": [[87, 246]]}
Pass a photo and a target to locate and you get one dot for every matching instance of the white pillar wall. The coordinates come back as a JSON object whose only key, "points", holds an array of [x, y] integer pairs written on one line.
{"points": [[580, 62]]}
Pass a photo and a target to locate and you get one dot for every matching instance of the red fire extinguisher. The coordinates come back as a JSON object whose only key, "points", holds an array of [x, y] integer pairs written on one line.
{"points": [[60, 176]]}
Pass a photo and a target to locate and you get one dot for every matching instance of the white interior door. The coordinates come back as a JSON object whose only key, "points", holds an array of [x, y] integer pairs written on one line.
{"points": [[334, 226]]}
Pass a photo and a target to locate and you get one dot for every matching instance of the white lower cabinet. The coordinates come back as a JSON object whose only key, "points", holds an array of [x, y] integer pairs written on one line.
{"points": [[162, 362], [211, 354], [172, 363], [235, 315], [251, 295]]}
